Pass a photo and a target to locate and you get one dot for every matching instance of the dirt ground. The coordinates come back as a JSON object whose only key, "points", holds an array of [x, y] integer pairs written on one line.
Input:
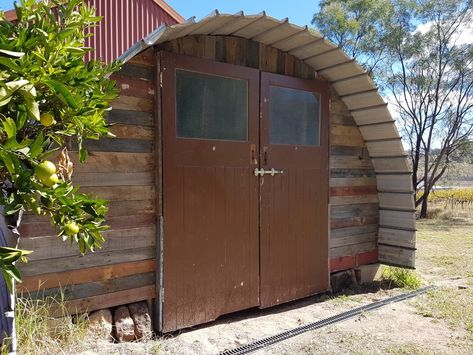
{"points": [[440, 322]]}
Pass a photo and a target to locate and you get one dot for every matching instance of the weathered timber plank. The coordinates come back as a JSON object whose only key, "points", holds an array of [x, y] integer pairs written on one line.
{"points": [[349, 162], [119, 145], [402, 183], [132, 131], [36, 229], [401, 201], [133, 104], [50, 247], [90, 289], [360, 152], [397, 237], [74, 277], [352, 200], [352, 240], [352, 249], [339, 119], [117, 116], [397, 219], [123, 208], [113, 162], [337, 106], [353, 222], [145, 58], [121, 193], [268, 58], [351, 173], [130, 69], [114, 179], [361, 181], [135, 87], [396, 255], [110, 300], [346, 135], [351, 231], [89, 260], [352, 190], [235, 51], [349, 211]]}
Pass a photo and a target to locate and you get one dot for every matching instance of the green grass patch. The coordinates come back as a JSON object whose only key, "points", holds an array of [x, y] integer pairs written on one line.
{"points": [[451, 305], [399, 277]]}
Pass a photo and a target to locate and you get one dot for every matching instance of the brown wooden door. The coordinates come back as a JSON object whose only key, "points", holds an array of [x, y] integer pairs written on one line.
{"points": [[294, 203], [233, 240], [210, 148]]}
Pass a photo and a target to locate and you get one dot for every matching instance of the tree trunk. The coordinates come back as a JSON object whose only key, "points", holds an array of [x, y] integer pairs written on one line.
{"points": [[424, 207]]}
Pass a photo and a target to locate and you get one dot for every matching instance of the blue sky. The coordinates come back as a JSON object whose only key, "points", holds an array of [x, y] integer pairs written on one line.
{"points": [[299, 12]]}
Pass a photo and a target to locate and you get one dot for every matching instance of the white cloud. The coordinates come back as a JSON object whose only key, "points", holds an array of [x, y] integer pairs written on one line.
{"points": [[464, 35]]}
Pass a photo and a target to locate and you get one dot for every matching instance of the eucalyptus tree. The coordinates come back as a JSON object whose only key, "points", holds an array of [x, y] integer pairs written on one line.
{"points": [[425, 71]]}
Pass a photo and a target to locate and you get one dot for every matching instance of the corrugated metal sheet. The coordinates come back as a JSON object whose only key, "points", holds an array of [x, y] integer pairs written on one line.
{"points": [[124, 23]]}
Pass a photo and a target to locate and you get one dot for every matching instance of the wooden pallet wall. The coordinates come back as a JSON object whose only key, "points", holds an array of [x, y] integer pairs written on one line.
{"points": [[121, 170]]}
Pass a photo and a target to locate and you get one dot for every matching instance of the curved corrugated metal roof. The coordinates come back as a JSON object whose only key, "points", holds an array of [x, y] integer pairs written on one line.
{"points": [[355, 88]]}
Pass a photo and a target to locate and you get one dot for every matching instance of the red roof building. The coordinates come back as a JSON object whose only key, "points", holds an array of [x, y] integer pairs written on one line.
{"points": [[124, 23]]}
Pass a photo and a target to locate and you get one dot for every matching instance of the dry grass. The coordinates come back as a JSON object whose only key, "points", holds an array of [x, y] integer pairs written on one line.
{"points": [[445, 256], [39, 332]]}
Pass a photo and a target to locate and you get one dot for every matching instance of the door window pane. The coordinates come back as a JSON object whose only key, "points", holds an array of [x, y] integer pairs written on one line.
{"points": [[294, 117], [211, 107]]}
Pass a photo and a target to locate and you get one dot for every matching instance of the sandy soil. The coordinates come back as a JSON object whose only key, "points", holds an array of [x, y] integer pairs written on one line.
{"points": [[399, 328]]}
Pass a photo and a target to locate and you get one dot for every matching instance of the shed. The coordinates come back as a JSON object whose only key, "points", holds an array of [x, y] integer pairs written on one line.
{"points": [[252, 158]]}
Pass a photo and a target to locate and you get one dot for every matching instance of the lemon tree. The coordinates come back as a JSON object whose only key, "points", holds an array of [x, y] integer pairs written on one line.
{"points": [[50, 97]]}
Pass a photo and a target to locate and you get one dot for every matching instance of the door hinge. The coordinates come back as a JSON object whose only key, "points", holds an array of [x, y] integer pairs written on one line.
{"points": [[161, 79], [161, 295]]}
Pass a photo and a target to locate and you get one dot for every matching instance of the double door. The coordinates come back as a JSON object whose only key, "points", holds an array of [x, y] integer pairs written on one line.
{"points": [[245, 189]]}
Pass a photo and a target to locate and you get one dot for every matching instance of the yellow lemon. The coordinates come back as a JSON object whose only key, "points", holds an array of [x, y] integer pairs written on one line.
{"points": [[71, 228], [47, 119], [45, 169], [50, 180]]}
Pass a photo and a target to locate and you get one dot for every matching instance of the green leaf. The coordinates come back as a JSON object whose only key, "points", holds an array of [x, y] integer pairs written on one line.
{"points": [[9, 63], [11, 53], [8, 279], [10, 127], [33, 109], [62, 92], [37, 146], [22, 116], [7, 160]]}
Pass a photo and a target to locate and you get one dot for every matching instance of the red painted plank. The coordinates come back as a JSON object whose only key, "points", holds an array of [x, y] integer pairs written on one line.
{"points": [[352, 261]]}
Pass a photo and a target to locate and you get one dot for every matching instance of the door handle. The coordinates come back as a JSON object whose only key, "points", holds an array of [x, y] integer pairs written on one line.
{"points": [[272, 172]]}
